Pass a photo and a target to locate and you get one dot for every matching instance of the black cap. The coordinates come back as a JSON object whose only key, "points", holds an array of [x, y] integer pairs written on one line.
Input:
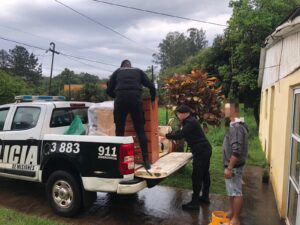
{"points": [[183, 109]]}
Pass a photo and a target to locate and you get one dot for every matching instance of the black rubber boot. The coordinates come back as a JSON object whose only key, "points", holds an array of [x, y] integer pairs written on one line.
{"points": [[146, 162], [204, 200], [192, 205]]}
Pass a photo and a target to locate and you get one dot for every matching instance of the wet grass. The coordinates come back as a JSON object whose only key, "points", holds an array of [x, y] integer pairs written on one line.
{"points": [[182, 178], [11, 217]]}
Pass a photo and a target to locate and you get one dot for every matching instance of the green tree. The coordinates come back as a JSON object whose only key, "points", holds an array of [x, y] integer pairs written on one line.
{"points": [[234, 56], [218, 56], [67, 76], [10, 86], [4, 57], [196, 40], [177, 47], [91, 92], [171, 50], [89, 78], [251, 22], [24, 65]]}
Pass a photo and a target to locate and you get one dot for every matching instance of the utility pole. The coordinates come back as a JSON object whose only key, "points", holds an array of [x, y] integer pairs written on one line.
{"points": [[152, 73], [69, 86], [53, 51]]}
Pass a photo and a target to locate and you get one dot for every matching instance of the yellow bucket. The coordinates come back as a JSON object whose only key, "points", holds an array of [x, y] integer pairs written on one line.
{"points": [[219, 218]]}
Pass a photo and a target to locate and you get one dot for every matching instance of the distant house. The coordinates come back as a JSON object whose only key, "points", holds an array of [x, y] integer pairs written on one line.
{"points": [[279, 129], [78, 87], [73, 87]]}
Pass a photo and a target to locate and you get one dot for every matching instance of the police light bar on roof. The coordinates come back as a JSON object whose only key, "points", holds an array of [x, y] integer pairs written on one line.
{"points": [[30, 98]]}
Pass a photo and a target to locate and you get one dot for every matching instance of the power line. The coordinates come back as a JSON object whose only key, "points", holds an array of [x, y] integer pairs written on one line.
{"points": [[89, 60], [48, 68], [21, 31], [21, 43], [61, 53], [158, 13], [102, 25], [95, 21], [42, 55], [34, 35], [70, 58]]}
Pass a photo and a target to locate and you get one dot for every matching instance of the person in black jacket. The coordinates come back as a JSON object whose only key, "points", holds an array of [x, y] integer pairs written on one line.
{"points": [[125, 85], [201, 149]]}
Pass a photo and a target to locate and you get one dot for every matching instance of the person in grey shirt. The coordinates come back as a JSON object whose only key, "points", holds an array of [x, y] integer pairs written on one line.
{"points": [[235, 151]]}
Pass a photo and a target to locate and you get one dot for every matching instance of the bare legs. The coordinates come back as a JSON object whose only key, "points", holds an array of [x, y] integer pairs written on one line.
{"points": [[236, 203]]}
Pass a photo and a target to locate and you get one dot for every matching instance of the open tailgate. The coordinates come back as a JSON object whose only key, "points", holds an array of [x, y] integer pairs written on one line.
{"points": [[164, 166]]}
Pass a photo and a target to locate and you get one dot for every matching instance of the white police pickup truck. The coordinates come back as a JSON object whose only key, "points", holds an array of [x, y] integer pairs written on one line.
{"points": [[73, 167]]}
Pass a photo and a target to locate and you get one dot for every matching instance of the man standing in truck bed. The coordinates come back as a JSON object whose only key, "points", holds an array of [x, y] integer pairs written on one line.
{"points": [[125, 85]]}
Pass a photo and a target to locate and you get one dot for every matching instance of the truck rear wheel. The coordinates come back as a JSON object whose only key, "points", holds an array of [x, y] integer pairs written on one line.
{"points": [[63, 192]]}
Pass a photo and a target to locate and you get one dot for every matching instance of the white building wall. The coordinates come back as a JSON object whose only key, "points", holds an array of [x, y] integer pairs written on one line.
{"points": [[290, 55], [271, 67], [282, 59]]}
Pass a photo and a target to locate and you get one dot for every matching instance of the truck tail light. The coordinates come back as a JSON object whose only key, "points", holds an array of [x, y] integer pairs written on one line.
{"points": [[126, 163]]}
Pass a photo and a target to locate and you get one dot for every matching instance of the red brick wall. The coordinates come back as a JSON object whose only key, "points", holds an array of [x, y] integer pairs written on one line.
{"points": [[151, 130]]}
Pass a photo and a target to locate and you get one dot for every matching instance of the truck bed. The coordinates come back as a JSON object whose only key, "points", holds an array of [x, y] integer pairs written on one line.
{"points": [[164, 166]]}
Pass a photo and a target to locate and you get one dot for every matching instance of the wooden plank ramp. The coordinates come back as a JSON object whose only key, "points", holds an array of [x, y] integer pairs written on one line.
{"points": [[164, 166]]}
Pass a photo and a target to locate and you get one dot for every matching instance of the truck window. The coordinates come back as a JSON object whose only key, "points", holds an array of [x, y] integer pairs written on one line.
{"points": [[25, 118], [64, 116], [3, 114]]}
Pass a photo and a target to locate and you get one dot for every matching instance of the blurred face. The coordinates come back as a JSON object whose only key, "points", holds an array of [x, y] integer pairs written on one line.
{"points": [[182, 116]]}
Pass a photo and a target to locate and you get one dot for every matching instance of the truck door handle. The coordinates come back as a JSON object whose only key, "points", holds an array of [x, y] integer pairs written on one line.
{"points": [[31, 140]]}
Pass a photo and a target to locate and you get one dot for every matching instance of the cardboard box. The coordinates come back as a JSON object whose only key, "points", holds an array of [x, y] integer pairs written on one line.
{"points": [[101, 119]]}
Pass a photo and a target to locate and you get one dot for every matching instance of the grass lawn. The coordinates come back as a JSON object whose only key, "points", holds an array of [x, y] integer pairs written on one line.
{"points": [[11, 217], [182, 178]]}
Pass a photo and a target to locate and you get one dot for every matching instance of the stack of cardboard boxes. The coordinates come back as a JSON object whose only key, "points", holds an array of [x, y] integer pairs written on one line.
{"points": [[101, 122]]}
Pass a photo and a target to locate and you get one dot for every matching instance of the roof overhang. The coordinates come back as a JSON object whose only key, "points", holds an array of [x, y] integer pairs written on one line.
{"points": [[289, 26]]}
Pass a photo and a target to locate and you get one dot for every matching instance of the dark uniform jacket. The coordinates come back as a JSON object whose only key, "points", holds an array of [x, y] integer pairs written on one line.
{"points": [[129, 80], [192, 132]]}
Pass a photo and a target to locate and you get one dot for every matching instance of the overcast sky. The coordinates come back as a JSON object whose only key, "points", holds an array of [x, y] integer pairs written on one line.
{"points": [[39, 22]]}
